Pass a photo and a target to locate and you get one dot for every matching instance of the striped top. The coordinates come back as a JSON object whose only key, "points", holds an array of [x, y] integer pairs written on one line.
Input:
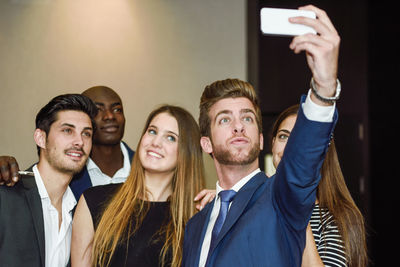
{"points": [[327, 238]]}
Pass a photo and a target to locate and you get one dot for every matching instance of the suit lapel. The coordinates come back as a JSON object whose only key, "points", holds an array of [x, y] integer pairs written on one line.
{"points": [[240, 202], [201, 228], [35, 206]]}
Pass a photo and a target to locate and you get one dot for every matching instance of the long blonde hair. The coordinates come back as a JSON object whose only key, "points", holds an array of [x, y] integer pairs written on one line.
{"points": [[333, 194], [115, 224]]}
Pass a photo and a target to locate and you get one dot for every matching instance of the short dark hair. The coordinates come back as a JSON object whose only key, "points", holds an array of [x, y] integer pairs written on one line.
{"points": [[48, 114]]}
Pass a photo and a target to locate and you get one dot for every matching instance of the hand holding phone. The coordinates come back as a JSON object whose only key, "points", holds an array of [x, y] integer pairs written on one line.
{"points": [[275, 21]]}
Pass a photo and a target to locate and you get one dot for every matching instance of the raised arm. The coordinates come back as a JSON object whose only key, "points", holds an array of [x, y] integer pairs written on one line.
{"points": [[298, 173], [82, 236], [322, 52]]}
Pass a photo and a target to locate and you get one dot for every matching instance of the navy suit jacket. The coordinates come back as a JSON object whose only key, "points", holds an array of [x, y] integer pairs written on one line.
{"points": [[266, 223], [81, 181]]}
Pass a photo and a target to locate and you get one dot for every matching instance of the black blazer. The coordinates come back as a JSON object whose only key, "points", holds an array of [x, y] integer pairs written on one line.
{"points": [[22, 241]]}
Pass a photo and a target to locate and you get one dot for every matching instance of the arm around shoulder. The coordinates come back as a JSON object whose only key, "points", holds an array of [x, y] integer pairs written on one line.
{"points": [[82, 236]]}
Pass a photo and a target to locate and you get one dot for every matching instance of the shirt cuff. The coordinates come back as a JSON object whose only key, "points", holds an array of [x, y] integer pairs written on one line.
{"points": [[315, 112]]}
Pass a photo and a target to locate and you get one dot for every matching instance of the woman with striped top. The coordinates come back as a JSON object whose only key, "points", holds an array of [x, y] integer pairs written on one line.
{"points": [[336, 233]]}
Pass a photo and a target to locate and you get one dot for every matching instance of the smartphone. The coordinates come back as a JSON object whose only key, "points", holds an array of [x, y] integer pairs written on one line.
{"points": [[275, 21]]}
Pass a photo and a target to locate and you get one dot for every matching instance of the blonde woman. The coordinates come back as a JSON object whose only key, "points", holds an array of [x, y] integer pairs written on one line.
{"points": [[141, 222]]}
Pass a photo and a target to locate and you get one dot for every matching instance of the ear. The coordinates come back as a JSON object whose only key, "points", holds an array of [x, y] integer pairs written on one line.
{"points": [[40, 138], [273, 141], [206, 144], [261, 141]]}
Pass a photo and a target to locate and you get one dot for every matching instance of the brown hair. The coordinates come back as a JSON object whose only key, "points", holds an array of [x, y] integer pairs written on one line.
{"points": [[115, 224], [229, 88], [333, 194]]}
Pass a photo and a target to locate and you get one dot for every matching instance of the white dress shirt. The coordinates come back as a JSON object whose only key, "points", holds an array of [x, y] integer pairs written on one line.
{"points": [[315, 112], [97, 177], [312, 112], [57, 238]]}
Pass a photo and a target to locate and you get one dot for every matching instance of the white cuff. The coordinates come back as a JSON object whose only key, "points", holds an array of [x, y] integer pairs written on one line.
{"points": [[315, 112]]}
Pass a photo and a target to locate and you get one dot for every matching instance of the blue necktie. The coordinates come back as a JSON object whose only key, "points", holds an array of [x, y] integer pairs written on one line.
{"points": [[226, 197]]}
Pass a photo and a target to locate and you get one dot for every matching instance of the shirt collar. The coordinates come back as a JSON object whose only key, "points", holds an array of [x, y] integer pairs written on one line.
{"points": [[90, 165], [68, 197], [39, 183], [240, 183]]}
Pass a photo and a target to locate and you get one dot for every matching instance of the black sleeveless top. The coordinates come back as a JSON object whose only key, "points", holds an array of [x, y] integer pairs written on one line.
{"points": [[144, 246]]}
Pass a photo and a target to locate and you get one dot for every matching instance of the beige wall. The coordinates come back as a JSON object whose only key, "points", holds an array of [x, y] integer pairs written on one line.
{"points": [[149, 51]]}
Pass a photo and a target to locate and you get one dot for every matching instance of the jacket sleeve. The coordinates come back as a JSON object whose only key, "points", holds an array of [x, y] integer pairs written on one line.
{"points": [[298, 173]]}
